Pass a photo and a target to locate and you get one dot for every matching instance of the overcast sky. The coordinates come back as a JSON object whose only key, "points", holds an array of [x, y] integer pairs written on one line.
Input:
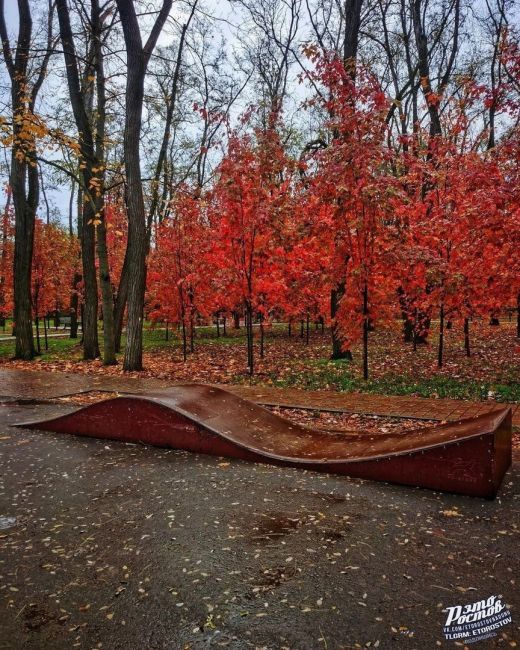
{"points": [[229, 20]]}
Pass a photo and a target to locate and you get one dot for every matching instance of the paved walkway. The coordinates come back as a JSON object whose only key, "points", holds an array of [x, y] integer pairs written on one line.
{"points": [[112, 546], [54, 335], [32, 385]]}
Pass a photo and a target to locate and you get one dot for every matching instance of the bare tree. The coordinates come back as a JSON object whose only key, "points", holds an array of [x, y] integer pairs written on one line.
{"points": [[25, 86], [169, 82], [495, 24], [170, 99], [432, 96], [137, 58], [91, 129], [269, 50]]}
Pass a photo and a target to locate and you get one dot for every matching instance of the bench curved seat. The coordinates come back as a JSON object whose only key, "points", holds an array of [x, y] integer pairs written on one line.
{"points": [[467, 457]]}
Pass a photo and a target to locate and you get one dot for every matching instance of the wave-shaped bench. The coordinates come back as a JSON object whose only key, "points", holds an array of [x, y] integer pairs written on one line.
{"points": [[466, 457]]}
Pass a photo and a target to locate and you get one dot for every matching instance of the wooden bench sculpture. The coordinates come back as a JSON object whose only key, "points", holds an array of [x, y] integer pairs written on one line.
{"points": [[466, 457]]}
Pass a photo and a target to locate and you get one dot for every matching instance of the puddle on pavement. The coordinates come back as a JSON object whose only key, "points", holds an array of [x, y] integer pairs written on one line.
{"points": [[7, 522], [272, 526]]}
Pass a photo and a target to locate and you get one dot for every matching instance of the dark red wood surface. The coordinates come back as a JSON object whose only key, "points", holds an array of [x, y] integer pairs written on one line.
{"points": [[466, 457]]}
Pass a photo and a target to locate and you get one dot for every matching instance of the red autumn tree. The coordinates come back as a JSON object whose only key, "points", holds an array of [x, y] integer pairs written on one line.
{"points": [[55, 258], [308, 260], [178, 287], [455, 221], [354, 180], [248, 205], [6, 258]]}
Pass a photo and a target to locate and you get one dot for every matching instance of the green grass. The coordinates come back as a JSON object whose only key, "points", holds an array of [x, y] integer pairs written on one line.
{"points": [[319, 374], [153, 339], [338, 375], [58, 349]]}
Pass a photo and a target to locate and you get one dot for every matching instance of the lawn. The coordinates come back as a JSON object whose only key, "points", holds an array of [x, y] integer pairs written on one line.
{"points": [[492, 371]]}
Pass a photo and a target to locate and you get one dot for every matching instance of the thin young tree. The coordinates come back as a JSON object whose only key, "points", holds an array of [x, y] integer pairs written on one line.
{"points": [[345, 42]]}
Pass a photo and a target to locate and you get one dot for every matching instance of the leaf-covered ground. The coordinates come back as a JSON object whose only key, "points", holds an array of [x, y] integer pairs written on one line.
{"points": [[492, 371], [350, 422]]}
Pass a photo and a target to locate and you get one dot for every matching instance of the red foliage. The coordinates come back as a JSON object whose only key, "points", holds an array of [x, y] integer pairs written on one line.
{"points": [[178, 284], [116, 226], [55, 258], [6, 259]]}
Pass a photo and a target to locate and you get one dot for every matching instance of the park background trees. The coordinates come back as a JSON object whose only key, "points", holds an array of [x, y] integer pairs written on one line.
{"points": [[354, 164]]}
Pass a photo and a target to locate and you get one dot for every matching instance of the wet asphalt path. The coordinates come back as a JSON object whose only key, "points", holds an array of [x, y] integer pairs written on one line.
{"points": [[118, 546]]}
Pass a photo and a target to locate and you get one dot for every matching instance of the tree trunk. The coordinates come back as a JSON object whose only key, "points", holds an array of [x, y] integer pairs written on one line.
{"points": [[3, 257], [89, 319], [262, 333], [137, 57], [120, 306], [337, 343], [45, 334], [366, 330], [184, 340], [518, 315], [24, 181], [137, 247], [74, 307], [25, 213], [440, 355], [466, 337], [410, 325], [192, 331], [249, 332], [37, 323], [408, 329], [88, 209], [107, 296], [137, 237]]}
